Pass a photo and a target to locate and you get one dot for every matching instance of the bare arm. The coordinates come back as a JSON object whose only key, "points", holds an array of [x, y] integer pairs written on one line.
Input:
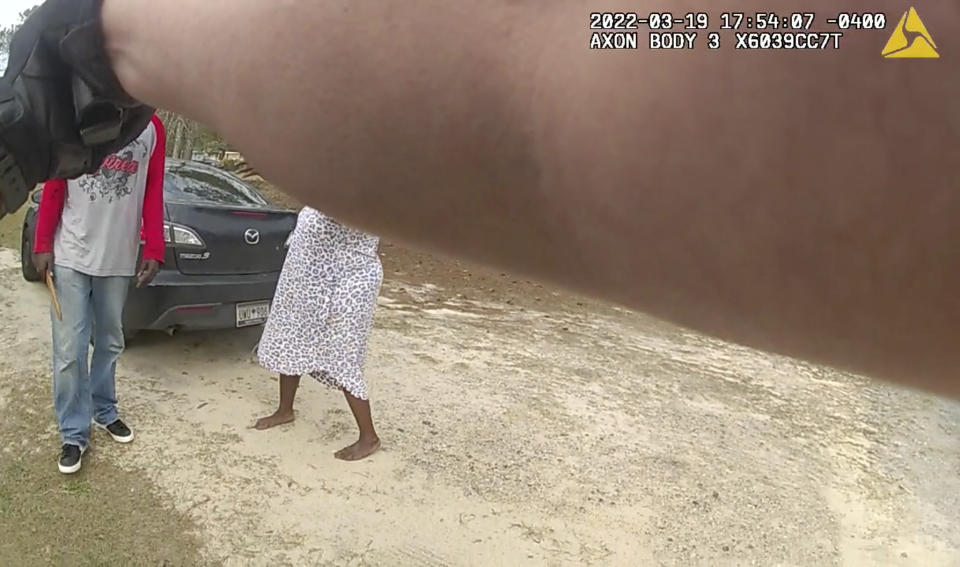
{"points": [[801, 202]]}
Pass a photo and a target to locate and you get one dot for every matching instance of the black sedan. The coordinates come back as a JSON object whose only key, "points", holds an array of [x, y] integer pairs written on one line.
{"points": [[225, 249]]}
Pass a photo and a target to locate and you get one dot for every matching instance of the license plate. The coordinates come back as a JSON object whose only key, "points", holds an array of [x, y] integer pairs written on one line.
{"points": [[253, 313]]}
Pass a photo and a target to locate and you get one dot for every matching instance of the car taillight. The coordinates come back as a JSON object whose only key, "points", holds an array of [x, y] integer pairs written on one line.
{"points": [[180, 235]]}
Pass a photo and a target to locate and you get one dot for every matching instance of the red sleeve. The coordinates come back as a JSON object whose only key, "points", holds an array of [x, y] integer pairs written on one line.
{"points": [[48, 215], [154, 246]]}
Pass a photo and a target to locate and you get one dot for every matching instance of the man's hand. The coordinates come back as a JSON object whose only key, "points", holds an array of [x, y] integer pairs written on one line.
{"points": [[62, 110], [43, 262], [148, 269]]}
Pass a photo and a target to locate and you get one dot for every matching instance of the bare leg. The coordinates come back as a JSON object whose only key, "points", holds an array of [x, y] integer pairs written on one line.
{"points": [[284, 413], [368, 442]]}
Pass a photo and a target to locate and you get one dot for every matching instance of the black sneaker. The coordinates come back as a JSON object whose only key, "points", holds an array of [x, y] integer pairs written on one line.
{"points": [[118, 430], [71, 458]]}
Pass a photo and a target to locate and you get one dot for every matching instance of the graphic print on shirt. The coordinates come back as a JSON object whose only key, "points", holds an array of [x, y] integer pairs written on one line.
{"points": [[113, 180]]}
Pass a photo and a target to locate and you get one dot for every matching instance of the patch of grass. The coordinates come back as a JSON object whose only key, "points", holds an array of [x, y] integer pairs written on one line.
{"points": [[104, 515], [10, 227]]}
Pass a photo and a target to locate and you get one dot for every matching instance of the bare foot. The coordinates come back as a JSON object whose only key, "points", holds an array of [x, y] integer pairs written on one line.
{"points": [[278, 418], [359, 450]]}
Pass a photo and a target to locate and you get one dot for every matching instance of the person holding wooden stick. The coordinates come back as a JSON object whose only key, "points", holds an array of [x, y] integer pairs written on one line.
{"points": [[87, 237]]}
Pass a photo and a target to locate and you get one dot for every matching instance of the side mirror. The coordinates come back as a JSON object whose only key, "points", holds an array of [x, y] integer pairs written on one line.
{"points": [[35, 196]]}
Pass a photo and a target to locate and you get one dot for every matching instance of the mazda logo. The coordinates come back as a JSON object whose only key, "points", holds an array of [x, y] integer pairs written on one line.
{"points": [[251, 237]]}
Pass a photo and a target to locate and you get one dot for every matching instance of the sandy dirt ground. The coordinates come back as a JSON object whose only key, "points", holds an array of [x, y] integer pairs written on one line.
{"points": [[524, 426]]}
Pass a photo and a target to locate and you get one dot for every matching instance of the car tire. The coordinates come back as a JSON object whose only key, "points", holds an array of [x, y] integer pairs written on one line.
{"points": [[30, 272]]}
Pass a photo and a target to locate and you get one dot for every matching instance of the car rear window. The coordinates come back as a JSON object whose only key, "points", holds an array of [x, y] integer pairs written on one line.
{"points": [[195, 184]]}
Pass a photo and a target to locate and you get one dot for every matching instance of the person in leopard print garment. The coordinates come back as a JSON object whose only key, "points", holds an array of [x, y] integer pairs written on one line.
{"points": [[321, 319]]}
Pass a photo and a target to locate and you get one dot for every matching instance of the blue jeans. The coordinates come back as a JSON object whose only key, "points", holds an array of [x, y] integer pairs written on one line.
{"points": [[82, 389]]}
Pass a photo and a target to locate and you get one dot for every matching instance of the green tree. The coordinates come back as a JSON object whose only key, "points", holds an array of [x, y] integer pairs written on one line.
{"points": [[185, 136]]}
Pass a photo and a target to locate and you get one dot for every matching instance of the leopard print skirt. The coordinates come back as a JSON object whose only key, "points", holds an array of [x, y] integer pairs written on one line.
{"points": [[323, 308]]}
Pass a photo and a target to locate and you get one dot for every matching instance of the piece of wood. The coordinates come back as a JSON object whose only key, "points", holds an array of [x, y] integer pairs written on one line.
{"points": [[53, 296]]}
